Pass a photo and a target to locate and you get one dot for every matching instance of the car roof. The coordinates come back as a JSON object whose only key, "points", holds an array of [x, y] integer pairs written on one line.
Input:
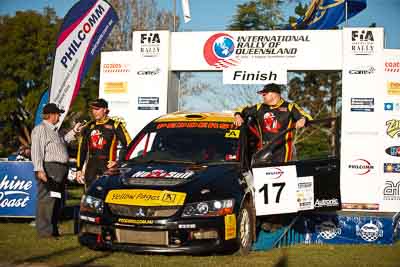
{"points": [[196, 116]]}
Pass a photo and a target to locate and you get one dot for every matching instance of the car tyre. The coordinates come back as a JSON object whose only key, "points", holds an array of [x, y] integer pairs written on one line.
{"points": [[244, 230]]}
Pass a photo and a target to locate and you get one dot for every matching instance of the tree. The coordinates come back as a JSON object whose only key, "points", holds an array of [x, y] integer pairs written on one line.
{"points": [[136, 15], [26, 47]]}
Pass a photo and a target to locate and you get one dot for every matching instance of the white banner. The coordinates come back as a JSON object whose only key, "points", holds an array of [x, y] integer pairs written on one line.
{"points": [[254, 75], [390, 152], [298, 50], [360, 170]]}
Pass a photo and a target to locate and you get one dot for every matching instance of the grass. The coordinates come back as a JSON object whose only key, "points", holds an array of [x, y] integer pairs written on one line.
{"points": [[19, 246]]}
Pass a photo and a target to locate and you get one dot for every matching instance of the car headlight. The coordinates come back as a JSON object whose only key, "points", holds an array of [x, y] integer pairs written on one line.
{"points": [[209, 208], [92, 204]]}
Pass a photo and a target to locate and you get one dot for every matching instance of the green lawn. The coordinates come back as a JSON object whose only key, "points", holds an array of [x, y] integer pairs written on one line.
{"points": [[20, 247]]}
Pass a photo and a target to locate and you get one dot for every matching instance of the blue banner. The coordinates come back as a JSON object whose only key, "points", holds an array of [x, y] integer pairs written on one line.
{"points": [[327, 14], [18, 189], [44, 99]]}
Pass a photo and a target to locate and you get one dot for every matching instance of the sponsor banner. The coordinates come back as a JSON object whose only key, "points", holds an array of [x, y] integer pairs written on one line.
{"points": [[275, 190], [251, 75], [18, 189], [83, 32], [139, 197], [340, 229], [360, 166], [220, 50]]}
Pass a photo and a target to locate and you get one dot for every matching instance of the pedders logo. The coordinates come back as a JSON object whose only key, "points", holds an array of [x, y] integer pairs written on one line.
{"points": [[392, 66], [360, 166], [219, 51], [274, 173]]}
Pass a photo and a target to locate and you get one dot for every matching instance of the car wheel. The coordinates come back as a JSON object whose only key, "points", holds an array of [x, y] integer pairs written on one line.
{"points": [[245, 230]]}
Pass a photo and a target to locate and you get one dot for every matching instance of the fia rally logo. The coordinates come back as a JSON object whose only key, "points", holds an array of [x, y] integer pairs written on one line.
{"points": [[219, 51], [150, 44], [362, 42]]}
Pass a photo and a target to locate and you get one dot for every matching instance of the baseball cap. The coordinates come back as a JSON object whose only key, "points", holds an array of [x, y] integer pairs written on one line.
{"points": [[52, 108], [271, 87], [99, 103]]}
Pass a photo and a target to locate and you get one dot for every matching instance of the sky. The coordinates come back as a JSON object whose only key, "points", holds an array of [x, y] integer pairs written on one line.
{"points": [[215, 15]]}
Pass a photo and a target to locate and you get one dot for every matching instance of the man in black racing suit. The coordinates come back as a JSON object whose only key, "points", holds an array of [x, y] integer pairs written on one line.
{"points": [[99, 140], [272, 117]]}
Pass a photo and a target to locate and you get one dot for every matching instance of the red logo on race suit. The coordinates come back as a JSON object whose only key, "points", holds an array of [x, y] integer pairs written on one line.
{"points": [[97, 140], [271, 124]]}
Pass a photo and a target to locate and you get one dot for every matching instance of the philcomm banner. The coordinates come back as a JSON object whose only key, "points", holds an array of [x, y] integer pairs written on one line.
{"points": [[83, 33], [17, 189]]}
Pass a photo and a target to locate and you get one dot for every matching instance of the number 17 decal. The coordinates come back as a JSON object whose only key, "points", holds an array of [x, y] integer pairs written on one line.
{"points": [[278, 194]]}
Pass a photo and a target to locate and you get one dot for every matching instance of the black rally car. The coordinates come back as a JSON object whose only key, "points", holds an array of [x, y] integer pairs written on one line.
{"points": [[182, 189], [186, 186]]}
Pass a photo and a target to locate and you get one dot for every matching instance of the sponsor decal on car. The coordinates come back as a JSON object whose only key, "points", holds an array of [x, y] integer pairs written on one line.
{"points": [[140, 197], [209, 125], [162, 174], [362, 70], [135, 221], [230, 226], [232, 134]]}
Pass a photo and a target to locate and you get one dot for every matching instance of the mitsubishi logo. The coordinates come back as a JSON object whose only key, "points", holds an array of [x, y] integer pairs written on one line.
{"points": [[140, 213]]}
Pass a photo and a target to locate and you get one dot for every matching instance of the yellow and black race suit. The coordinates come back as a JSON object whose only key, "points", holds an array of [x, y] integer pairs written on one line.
{"points": [[273, 120], [98, 141]]}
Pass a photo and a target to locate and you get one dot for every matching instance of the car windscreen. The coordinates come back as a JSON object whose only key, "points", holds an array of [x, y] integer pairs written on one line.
{"points": [[187, 144]]}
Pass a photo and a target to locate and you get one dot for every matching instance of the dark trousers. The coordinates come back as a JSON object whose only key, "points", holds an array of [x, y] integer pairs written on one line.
{"points": [[48, 209], [94, 168]]}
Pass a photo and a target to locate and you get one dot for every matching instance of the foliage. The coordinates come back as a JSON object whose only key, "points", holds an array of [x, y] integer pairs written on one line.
{"points": [[26, 47]]}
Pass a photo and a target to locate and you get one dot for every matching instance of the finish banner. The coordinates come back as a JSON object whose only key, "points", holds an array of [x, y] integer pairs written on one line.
{"points": [[83, 32]]}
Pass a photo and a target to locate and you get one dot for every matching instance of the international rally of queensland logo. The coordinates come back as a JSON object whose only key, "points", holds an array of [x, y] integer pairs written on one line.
{"points": [[219, 51]]}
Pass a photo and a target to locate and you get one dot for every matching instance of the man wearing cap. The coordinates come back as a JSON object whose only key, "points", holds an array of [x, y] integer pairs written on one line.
{"points": [[272, 117], [50, 161], [99, 142]]}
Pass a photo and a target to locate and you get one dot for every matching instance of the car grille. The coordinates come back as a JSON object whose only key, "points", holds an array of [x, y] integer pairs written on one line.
{"points": [[138, 211], [149, 181], [142, 237]]}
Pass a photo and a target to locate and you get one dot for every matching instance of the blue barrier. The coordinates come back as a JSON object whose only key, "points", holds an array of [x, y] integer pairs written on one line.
{"points": [[17, 189]]}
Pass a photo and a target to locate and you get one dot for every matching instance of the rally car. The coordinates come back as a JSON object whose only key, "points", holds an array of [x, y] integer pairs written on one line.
{"points": [[186, 185], [181, 189]]}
